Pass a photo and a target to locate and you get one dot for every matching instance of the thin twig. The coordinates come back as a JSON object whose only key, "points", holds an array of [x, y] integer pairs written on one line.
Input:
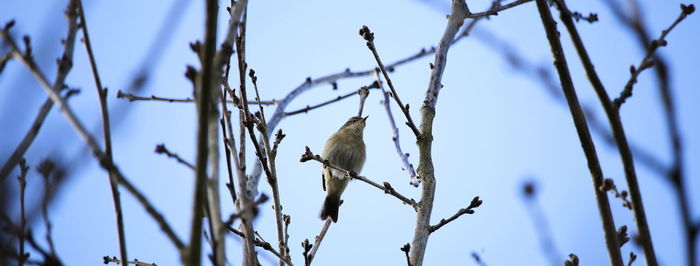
{"points": [[130, 97], [407, 166], [494, 10], [612, 111], [260, 243], [46, 168], [272, 172], [475, 203], [582, 131], [647, 61], [369, 37], [22, 179], [151, 210], [317, 242], [245, 122], [309, 108], [161, 149], [406, 250], [64, 66], [387, 188], [102, 97], [107, 260]]}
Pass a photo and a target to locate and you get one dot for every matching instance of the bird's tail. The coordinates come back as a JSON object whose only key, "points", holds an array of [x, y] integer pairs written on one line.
{"points": [[330, 208]]}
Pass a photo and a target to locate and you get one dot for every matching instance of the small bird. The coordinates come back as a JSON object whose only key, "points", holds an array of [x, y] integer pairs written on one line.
{"points": [[344, 149]]}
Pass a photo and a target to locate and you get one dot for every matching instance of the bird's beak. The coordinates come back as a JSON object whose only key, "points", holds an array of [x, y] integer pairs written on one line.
{"points": [[365, 119]]}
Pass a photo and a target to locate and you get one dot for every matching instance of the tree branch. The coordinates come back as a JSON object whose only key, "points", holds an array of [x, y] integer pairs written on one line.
{"points": [[407, 166], [647, 61], [425, 167], [317, 243], [369, 37], [102, 95], [475, 203], [579, 120], [64, 66], [387, 188]]}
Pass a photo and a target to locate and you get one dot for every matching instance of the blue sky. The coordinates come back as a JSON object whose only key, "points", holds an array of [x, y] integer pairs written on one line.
{"points": [[495, 128]]}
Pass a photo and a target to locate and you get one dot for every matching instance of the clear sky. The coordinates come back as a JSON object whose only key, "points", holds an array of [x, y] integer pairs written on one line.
{"points": [[495, 128]]}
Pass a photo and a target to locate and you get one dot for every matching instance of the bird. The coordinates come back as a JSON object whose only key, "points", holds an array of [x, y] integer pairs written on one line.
{"points": [[344, 149]]}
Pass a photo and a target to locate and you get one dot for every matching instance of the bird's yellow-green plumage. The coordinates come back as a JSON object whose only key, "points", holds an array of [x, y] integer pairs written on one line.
{"points": [[345, 149]]}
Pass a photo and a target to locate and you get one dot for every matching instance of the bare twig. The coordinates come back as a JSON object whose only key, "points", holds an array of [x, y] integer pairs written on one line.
{"points": [[317, 242], [64, 66], [107, 260], [426, 169], [309, 108], [22, 179], [151, 210], [161, 149], [676, 173], [260, 243], [582, 131], [612, 111], [633, 257], [130, 97], [609, 185], [46, 168], [369, 37], [647, 61], [406, 250], [102, 95], [407, 166], [272, 172], [239, 12], [387, 188], [495, 9], [475, 203]]}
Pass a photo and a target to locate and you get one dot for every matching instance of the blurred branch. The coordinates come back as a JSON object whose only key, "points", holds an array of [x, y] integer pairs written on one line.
{"points": [[161, 149], [102, 95], [204, 90], [579, 120], [64, 66], [387, 188], [130, 97], [475, 203], [541, 224], [22, 180]]}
